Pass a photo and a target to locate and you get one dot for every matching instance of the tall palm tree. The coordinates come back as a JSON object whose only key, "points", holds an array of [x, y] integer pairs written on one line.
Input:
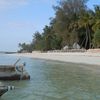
{"points": [[85, 22]]}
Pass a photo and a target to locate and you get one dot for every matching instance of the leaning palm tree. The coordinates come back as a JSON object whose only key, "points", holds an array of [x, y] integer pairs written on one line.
{"points": [[85, 22]]}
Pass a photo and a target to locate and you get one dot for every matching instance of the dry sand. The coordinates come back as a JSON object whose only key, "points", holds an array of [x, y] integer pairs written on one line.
{"points": [[84, 58]]}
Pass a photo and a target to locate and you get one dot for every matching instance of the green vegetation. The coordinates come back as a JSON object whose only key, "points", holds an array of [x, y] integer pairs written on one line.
{"points": [[73, 22], [97, 39]]}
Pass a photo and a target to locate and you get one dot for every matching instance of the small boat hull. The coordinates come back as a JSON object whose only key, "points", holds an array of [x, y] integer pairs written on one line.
{"points": [[14, 77], [2, 91]]}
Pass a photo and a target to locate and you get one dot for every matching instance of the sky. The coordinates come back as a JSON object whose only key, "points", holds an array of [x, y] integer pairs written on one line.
{"points": [[20, 19]]}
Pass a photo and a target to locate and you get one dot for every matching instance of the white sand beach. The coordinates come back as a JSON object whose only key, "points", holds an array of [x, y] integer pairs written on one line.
{"points": [[73, 57]]}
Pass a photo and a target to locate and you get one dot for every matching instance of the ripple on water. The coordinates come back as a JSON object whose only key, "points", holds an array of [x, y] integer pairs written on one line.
{"points": [[52, 80]]}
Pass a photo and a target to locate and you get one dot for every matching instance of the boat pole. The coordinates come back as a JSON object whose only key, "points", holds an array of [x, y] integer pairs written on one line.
{"points": [[16, 61]]}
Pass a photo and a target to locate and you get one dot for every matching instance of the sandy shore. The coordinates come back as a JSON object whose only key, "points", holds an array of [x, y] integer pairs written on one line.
{"points": [[84, 58]]}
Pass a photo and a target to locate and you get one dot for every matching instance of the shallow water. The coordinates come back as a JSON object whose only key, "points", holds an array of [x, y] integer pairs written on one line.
{"points": [[52, 80]]}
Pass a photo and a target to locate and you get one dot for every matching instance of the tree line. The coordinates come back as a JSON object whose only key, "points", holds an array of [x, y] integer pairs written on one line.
{"points": [[73, 22]]}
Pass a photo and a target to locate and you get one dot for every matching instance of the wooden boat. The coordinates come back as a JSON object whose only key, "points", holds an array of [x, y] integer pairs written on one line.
{"points": [[13, 72], [4, 89]]}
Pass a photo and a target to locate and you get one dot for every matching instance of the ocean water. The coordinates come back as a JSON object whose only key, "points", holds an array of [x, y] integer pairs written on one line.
{"points": [[52, 80]]}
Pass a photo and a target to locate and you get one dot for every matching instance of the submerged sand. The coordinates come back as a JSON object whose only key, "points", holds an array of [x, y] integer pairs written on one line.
{"points": [[84, 57]]}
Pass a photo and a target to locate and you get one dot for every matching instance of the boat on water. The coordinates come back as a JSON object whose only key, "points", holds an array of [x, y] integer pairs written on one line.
{"points": [[14, 72], [4, 89]]}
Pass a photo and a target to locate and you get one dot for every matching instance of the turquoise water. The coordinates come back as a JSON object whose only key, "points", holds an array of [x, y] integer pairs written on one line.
{"points": [[52, 80]]}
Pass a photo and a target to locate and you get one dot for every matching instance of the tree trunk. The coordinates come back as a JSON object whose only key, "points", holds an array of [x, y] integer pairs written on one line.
{"points": [[86, 38], [89, 37]]}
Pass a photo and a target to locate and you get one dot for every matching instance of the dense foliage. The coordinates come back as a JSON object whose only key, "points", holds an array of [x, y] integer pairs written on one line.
{"points": [[97, 39], [73, 22]]}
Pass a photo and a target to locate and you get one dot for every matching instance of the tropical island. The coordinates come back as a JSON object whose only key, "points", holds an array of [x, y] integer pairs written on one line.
{"points": [[63, 61], [73, 23], [72, 34]]}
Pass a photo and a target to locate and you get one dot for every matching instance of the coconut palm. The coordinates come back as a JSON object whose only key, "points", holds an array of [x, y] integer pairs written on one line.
{"points": [[86, 22], [96, 25]]}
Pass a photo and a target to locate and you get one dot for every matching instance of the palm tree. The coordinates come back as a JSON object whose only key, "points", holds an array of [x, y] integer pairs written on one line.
{"points": [[96, 25], [85, 22]]}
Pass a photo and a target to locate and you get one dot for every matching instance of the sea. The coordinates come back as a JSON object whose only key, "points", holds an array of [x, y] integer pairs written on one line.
{"points": [[53, 80]]}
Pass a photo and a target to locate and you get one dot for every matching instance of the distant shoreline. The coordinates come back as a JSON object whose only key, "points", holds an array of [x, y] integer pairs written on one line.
{"points": [[4, 52], [80, 58]]}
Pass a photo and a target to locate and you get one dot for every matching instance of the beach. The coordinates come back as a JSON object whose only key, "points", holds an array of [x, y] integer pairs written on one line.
{"points": [[92, 58]]}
